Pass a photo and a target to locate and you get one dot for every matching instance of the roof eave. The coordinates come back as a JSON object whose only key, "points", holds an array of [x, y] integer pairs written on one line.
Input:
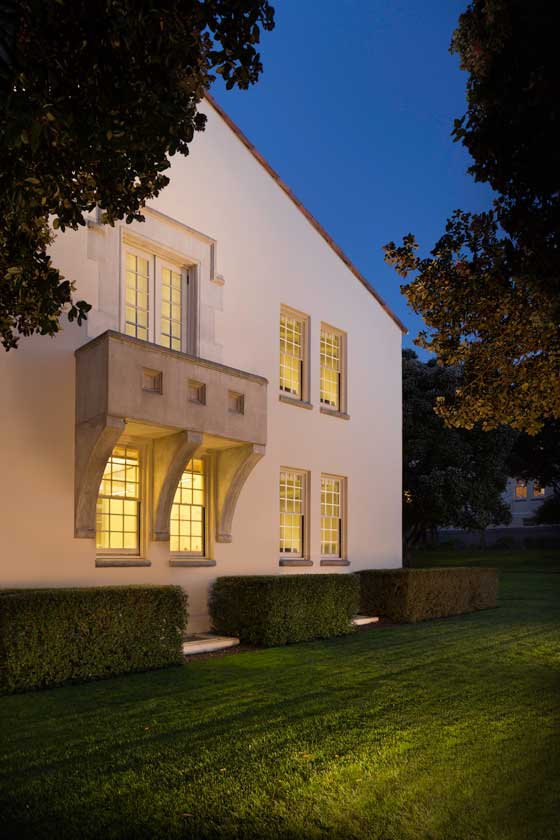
{"points": [[309, 216]]}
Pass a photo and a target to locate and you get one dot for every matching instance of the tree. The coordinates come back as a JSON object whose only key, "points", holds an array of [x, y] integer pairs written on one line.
{"points": [[451, 477], [95, 97], [490, 291]]}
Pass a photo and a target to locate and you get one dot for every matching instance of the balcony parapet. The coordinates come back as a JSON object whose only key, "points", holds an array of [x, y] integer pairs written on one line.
{"points": [[185, 404]]}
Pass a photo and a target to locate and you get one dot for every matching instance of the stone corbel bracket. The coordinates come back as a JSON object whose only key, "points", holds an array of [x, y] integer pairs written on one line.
{"points": [[95, 440], [171, 455], [234, 466]]}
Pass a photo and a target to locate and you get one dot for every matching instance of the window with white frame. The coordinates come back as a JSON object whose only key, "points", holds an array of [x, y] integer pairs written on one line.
{"points": [[173, 310], [292, 513], [137, 295], [520, 488], [158, 297], [119, 502], [187, 527], [332, 368], [332, 513], [293, 349]]}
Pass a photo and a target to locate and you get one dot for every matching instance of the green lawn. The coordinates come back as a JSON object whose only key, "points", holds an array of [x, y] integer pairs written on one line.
{"points": [[447, 730]]}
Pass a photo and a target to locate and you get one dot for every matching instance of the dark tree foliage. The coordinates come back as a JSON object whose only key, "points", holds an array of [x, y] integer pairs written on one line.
{"points": [[451, 477], [95, 97], [490, 290]]}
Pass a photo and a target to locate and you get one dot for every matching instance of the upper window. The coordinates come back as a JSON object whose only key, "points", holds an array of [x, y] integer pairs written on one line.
{"points": [[292, 513], [332, 369], [173, 310], [118, 503], [156, 300], [332, 508], [188, 513], [520, 488], [293, 354], [137, 296]]}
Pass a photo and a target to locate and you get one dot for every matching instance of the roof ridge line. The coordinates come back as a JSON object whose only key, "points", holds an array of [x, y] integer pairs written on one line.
{"points": [[301, 207]]}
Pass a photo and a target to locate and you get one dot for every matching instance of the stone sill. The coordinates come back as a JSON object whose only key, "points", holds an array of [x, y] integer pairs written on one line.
{"points": [[294, 561], [108, 562], [327, 562], [333, 413], [292, 401], [191, 563]]}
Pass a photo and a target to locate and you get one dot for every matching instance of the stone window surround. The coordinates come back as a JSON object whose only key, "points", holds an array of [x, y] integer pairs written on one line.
{"points": [[160, 256]]}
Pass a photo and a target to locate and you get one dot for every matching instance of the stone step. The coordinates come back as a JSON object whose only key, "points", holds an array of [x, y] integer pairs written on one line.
{"points": [[207, 643], [360, 620]]}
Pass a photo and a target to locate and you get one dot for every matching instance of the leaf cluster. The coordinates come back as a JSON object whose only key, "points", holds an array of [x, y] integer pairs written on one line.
{"points": [[95, 98], [452, 477], [490, 290]]}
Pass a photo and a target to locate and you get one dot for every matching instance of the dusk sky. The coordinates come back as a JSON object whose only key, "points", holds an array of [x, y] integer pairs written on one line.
{"points": [[354, 110]]}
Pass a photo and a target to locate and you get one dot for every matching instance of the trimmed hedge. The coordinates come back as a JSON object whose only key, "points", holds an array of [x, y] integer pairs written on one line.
{"points": [[51, 636], [280, 609], [409, 595]]}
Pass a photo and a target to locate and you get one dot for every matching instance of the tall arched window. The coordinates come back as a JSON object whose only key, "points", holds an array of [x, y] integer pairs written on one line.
{"points": [[187, 529], [118, 503]]}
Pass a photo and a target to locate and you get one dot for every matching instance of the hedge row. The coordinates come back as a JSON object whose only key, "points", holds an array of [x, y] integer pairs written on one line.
{"points": [[409, 595], [279, 609], [51, 636]]}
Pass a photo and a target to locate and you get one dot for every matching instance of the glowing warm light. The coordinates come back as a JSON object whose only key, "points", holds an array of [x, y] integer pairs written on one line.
{"points": [[331, 516], [292, 509], [118, 503], [291, 355], [188, 512], [330, 369]]}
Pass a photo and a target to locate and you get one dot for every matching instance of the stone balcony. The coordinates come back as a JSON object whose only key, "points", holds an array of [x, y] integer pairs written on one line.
{"points": [[184, 405]]}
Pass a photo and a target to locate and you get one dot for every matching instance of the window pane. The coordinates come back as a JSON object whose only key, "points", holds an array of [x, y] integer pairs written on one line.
{"points": [[330, 368], [118, 502], [291, 355], [292, 508], [520, 488], [172, 309], [137, 296], [188, 515], [331, 516]]}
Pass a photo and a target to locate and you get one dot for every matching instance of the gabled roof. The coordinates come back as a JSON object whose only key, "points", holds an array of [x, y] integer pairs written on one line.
{"points": [[309, 216]]}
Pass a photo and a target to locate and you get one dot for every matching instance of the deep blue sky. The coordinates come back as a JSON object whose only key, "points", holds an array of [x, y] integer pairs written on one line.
{"points": [[354, 110]]}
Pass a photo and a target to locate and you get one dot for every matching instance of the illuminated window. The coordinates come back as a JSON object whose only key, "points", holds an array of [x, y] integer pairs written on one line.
{"points": [[538, 490], [158, 300], [172, 308], [292, 513], [331, 369], [118, 503], [292, 354], [331, 516], [137, 296], [520, 488], [188, 512]]}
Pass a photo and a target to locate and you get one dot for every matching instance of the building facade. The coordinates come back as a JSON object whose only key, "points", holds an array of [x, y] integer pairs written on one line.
{"points": [[231, 406], [524, 499]]}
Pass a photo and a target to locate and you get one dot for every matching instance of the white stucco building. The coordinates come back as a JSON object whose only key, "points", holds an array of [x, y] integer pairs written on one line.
{"points": [[524, 498], [232, 406]]}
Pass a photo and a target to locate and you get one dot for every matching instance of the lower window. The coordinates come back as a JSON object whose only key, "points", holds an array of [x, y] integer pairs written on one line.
{"points": [[332, 509], [188, 514], [292, 513], [118, 503]]}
